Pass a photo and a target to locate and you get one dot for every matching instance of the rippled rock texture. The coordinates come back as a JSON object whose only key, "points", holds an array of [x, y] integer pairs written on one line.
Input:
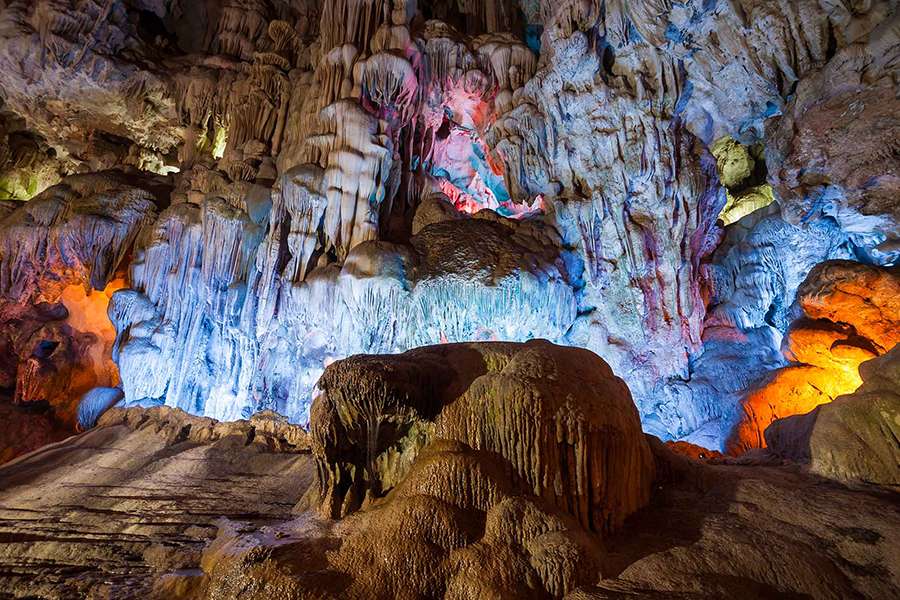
{"points": [[102, 512], [558, 415]]}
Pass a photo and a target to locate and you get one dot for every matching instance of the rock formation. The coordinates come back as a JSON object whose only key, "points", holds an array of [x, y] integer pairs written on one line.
{"points": [[853, 438], [241, 207], [139, 496], [851, 315], [162, 504], [305, 138], [558, 415], [60, 257]]}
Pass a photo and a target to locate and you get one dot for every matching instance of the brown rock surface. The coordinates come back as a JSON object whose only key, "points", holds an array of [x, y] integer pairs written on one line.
{"points": [[712, 531], [103, 510], [130, 510], [864, 297], [26, 429], [836, 145], [754, 531], [558, 415]]}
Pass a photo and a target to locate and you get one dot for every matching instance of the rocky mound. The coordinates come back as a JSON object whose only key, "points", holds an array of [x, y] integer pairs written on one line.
{"points": [[711, 531], [560, 418]]}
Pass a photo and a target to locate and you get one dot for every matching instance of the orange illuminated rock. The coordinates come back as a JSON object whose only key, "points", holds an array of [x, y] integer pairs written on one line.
{"points": [[792, 391], [693, 451], [853, 315], [813, 344], [854, 438], [60, 255], [64, 359], [863, 297]]}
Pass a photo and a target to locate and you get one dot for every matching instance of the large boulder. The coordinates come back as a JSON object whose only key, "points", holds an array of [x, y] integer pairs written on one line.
{"points": [[854, 438], [558, 417]]}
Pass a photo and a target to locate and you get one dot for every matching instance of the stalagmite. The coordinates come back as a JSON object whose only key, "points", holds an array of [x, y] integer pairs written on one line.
{"points": [[572, 453]]}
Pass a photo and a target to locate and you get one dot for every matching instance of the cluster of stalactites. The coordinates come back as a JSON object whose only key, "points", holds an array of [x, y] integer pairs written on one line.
{"points": [[484, 16], [71, 234], [239, 111], [246, 27], [368, 89], [511, 63], [358, 175], [352, 21], [372, 114], [240, 27], [59, 26]]}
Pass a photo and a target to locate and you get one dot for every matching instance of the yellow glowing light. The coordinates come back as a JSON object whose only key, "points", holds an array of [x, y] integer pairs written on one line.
{"points": [[746, 202], [220, 142], [794, 390]]}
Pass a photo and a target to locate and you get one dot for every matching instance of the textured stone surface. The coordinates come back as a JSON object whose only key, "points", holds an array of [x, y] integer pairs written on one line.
{"points": [[61, 258], [851, 314], [75, 233], [558, 415], [162, 504], [304, 138], [855, 437], [836, 146], [652, 181], [863, 297], [104, 511]]}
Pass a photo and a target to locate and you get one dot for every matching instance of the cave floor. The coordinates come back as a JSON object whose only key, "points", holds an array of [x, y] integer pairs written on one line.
{"points": [[758, 531], [103, 513], [108, 508]]}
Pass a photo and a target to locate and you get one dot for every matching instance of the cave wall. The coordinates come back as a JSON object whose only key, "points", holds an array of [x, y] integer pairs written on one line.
{"points": [[328, 162]]}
